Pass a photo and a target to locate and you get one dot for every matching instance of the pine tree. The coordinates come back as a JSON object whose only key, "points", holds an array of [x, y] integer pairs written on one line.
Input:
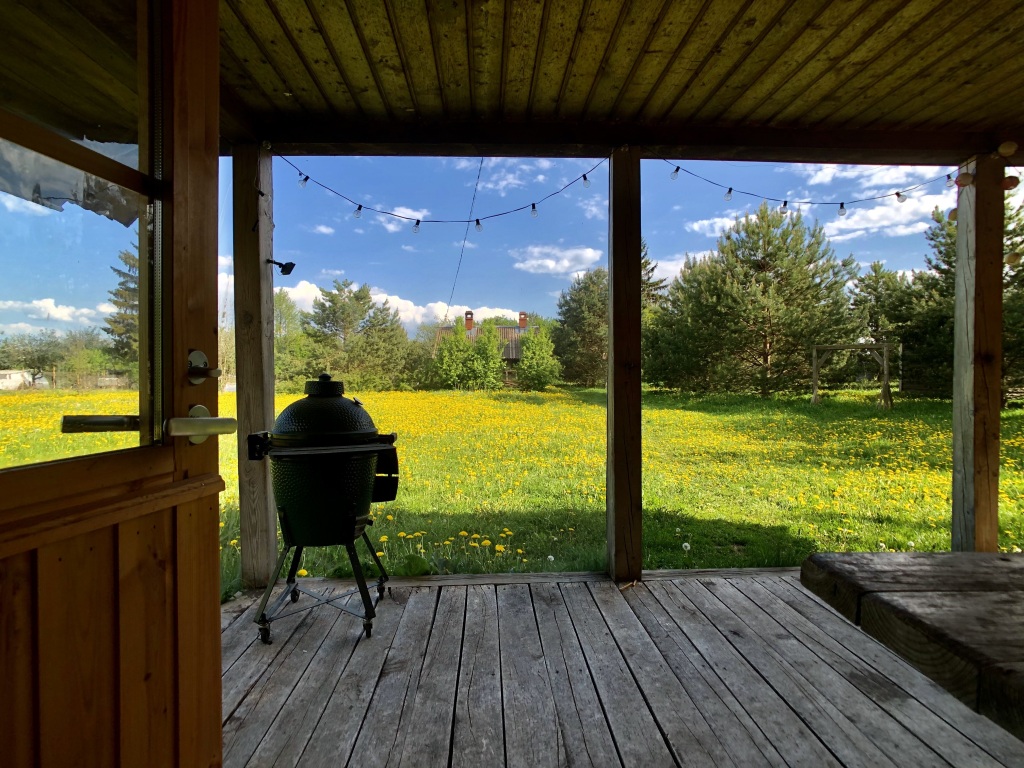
{"points": [[376, 355], [581, 337], [123, 324]]}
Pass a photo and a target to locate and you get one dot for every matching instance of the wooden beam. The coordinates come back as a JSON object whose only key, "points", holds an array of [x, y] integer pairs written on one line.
{"points": [[341, 136], [254, 354], [977, 360], [625, 513]]}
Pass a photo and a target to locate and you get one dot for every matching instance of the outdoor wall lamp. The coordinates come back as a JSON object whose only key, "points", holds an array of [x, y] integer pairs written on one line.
{"points": [[286, 268]]}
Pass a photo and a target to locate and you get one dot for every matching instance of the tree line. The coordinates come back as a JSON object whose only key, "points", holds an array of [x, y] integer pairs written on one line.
{"points": [[741, 319]]}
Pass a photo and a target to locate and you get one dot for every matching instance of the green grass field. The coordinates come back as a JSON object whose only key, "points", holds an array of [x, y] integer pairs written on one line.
{"points": [[514, 481]]}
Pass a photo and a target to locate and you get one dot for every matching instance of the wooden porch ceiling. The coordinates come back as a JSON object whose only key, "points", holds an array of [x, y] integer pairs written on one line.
{"points": [[815, 80]]}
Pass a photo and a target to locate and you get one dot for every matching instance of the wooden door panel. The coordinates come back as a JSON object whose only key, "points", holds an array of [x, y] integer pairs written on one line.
{"points": [[19, 702]]}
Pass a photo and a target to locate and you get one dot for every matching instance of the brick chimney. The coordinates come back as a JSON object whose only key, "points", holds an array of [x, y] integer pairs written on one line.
{"points": [[469, 320], [522, 321]]}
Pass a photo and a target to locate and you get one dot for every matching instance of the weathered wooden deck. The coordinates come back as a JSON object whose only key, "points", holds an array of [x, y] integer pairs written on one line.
{"points": [[718, 669]]}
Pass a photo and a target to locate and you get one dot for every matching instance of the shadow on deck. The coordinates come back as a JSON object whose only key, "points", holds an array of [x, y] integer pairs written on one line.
{"points": [[713, 668]]}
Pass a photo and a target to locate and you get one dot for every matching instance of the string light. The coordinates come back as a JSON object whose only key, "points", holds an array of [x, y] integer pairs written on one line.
{"points": [[675, 174], [416, 227], [842, 209], [952, 214], [303, 179], [479, 226], [728, 195], [1010, 182], [359, 211], [900, 197], [533, 210], [964, 179], [586, 181], [949, 180], [785, 207], [1007, 148], [1012, 259]]}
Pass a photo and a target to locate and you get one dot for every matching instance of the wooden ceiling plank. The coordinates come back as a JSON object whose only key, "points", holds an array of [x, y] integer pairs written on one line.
{"points": [[945, 74], [999, 115], [632, 31], [248, 93], [70, 49], [237, 40], [674, 27], [408, 24], [747, 36], [773, 53], [521, 35], [373, 43], [554, 54], [814, 42], [993, 93], [449, 35], [598, 24], [487, 31], [79, 110], [300, 21], [828, 78], [262, 26], [918, 52], [700, 45]]}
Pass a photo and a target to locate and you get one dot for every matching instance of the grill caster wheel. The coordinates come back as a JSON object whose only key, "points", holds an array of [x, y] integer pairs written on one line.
{"points": [[295, 595], [368, 628], [265, 635]]}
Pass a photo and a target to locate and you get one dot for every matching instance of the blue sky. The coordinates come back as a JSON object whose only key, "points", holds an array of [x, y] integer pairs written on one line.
{"points": [[57, 264]]}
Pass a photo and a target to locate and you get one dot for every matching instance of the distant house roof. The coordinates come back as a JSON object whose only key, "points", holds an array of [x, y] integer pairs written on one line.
{"points": [[509, 337]]}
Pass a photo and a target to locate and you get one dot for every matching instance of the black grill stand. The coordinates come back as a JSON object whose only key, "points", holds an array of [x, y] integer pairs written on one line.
{"points": [[292, 590]]}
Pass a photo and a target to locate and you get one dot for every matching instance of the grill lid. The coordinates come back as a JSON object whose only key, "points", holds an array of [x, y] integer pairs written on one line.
{"points": [[322, 419]]}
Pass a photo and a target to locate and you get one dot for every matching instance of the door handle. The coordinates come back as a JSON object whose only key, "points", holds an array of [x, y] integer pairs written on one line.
{"points": [[199, 425], [199, 369]]}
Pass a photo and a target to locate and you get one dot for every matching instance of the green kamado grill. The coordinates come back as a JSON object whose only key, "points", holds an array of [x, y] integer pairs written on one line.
{"points": [[328, 463]]}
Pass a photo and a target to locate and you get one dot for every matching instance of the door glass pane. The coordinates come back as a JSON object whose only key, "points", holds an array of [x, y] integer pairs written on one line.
{"points": [[77, 268], [76, 68]]}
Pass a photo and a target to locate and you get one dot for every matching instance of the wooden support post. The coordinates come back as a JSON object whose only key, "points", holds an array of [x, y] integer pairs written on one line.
{"points": [[254, 355], [977, 360], [625, 512]]}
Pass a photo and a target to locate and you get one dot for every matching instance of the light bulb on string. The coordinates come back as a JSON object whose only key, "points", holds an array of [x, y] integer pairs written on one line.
{"points": [[586, 181], [1012, 259], [1007, 148], [358, 212], [675, 174], [965, 179], [952, 214], [900, 197], [303, 179], [479, 226], [416, 227], [728, 195], [784, 208], [949, 180], [842, 209], [533, 210], [1010, 182]]}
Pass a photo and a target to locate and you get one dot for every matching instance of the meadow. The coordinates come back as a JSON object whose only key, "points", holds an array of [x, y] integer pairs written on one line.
{"points": [[514, 481]]}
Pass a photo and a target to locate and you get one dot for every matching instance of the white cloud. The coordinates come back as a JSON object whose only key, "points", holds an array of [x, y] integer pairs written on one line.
{"points": [[869, 177], [553, 260], [594, 208], [412, 314], [469, 244], [17, 205], [393, 224], [15, 328], [323, 229], [226, 298], [544, 164], [359, 231], [332, 272], [713, 227], [106, 308], [225, 261], [888, 218], [303, 294], [409, 248], [48, 309]]}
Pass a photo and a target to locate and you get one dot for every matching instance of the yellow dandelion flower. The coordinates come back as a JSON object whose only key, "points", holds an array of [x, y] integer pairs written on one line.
{"points": [[401, 534], [499, 548], [380, 554], [390, 517], [233, 543], [302, 572], [463, 533], [519, 552], [485, 543], [382, 539], [475, 536], [221, 523], [473, 544]]}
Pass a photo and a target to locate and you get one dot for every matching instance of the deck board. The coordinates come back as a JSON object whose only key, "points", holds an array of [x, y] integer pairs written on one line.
{"points": [[688, 670]]}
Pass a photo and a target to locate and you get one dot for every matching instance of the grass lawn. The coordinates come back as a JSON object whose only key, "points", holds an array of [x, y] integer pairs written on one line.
{"points": [[515, 481]]}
